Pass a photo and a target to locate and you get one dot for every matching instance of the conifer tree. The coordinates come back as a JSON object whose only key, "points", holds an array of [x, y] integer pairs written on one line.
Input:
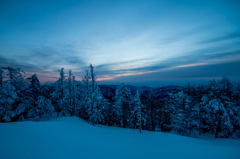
{"points": [[84, 96], [8, 96], [179, 113], [123, 98], [58, 96], [138, 111], [74, 95], [44, 108], [96, 100]]}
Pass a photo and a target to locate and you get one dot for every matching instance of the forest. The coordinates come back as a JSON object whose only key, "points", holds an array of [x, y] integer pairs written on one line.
{"points": [[190, 110]]}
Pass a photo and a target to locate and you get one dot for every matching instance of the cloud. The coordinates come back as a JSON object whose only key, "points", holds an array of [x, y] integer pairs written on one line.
{"points": [[232, 36], [194, 74], [24, 66], [109, 65], [43, 59], [194, 58]]}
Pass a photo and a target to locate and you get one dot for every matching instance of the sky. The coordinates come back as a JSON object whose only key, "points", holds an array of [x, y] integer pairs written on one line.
{"points": [[139, 42]]}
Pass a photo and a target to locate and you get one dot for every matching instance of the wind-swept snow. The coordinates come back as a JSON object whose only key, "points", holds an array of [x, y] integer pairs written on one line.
{"points": [[72, 137]]}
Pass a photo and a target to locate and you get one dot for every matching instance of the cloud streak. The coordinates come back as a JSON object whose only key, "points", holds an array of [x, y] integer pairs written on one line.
{"points": [[233, 36]]}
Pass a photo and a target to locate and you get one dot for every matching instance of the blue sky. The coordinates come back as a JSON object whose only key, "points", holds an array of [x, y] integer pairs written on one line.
{"points": [[135, 41]]}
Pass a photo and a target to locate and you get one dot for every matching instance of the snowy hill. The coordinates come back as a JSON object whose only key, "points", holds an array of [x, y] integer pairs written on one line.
{"points": [[72, 137]]}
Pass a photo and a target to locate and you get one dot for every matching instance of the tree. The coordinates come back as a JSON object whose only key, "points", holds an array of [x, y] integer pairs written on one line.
{"points": [[152, 110], [108, 113], [122, 101], [14, 74], [98, 106], [138, 111], [70, 95], [61, 89], [92, 77], [92, 94], [74, 95], [35, 84], [226, 87], [84, 97], [59, 94], [95, 100], [180, 113], [44, 108], [10, 108], [30, 95], [8, 96]]}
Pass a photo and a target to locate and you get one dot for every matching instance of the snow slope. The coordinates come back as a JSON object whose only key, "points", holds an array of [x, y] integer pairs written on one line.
{"points": [[72, 137]]}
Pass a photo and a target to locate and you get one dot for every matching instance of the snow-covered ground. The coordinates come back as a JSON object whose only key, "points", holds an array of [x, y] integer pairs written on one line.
{"points": [[72, 137]]}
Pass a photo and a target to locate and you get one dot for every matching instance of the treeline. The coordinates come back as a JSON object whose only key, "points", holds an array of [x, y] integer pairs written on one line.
{"points": [[190, 111]]}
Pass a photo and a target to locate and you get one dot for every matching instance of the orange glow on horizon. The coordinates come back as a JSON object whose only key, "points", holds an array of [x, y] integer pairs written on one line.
{"points": [[105, 79], [53, 77]]}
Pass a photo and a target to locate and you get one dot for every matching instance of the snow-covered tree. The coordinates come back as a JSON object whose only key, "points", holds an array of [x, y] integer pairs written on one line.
{"points": [[30, 96], [44, 108], [92, 77], [70, 93], [122, 102], [138, 111], [59, 96], [14, 74], [152, 107], [84, 97], [108, 112], [98, 106], [226, 87], [216, 117], [35, 84], [95, 100], [180, 113], [8, 96], [74, 92], [10, 93], [92, 94]]}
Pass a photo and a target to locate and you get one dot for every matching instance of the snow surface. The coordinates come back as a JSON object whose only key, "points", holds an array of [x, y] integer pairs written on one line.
{"points": [[72, 137]]}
